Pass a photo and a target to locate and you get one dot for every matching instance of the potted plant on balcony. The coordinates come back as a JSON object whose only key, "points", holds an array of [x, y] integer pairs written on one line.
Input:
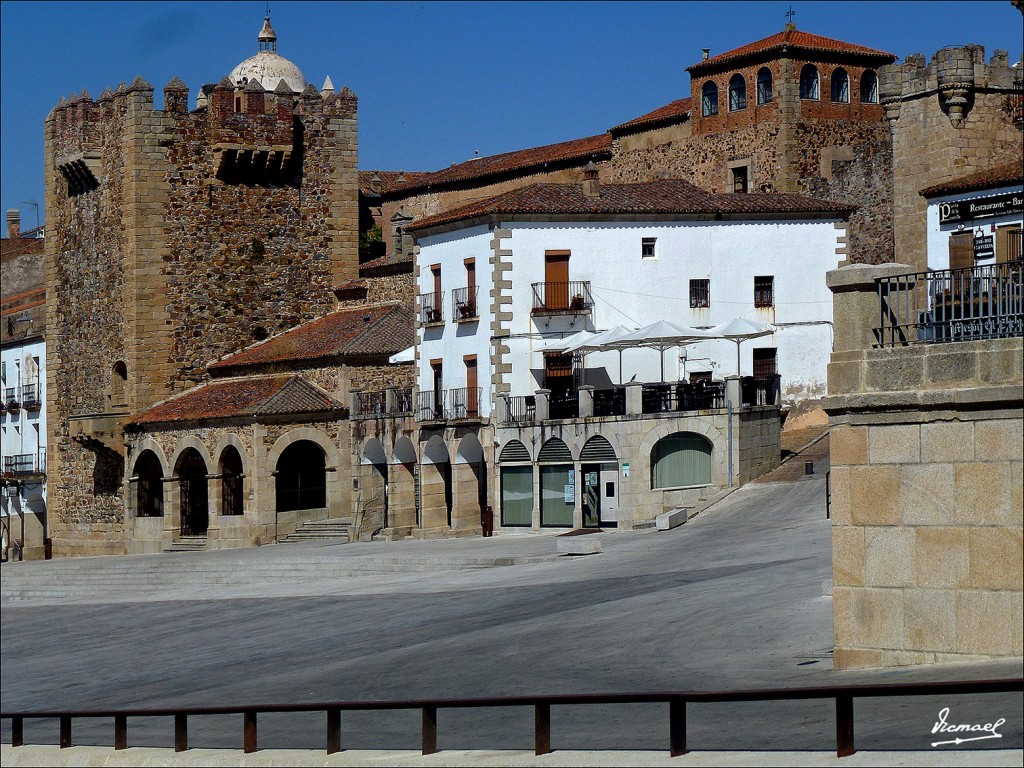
{"points": [[467, 310], [576, 302]]}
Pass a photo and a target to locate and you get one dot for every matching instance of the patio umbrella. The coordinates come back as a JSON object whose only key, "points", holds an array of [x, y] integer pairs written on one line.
{"points": [[661, 335], [598, 342], [739, 330]]}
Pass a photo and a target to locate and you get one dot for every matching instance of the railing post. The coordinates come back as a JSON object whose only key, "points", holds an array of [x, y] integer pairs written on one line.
{"points": [[180, 732], [634, 398], [844, 725], [17, 731], [249, 731], [586, 407], [333, 731], [429, 730], [120, 731], [65, 732], [542, 409], [677, 727], [541, 729]]}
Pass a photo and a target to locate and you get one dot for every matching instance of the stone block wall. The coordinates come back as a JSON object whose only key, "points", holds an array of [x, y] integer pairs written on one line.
{"points": [[927, 494]]}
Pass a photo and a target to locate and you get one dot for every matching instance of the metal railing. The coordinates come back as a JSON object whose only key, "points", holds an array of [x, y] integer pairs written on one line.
{"points": [[564, 404], [369, 405], [26, 463], [554, 298], [610, 402], [431, 405], [970, 304], [464, 403], [432, 307], [842, 695], [29, 395], [520, 409], [464, 304], [760, 390], [675, 398], [11, 397]]}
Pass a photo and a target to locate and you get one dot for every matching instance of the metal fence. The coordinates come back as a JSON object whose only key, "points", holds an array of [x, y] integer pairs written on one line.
{"points": [[573, 296], [610, 402], [464, 303], [668, 398], [520, 409], [431, 405], [980, 302], [464, 402], [564, 404], [842, 695], [369, 405], [432, 307]]}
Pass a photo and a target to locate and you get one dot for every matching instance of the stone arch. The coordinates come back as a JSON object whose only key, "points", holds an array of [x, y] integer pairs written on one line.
{"points": [[373, 486], [147, 444], [232, 439], [436, 494], [403, 452], [764, 86], [231, 469], [555, 450], [469, 478], [192, 470], [436, 451], [402, 497], [331, 458], [869, 87], [597, 448], [193, 442], [469, 450], [148, 473], [681, 459], [514, 450], [373, 452]]}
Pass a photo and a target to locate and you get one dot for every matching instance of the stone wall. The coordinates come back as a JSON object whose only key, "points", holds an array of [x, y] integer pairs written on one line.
{"points": [[950, 118], [927, 495]]}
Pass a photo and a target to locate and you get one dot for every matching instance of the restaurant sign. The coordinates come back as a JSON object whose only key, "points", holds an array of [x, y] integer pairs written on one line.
{"points": [[981, 208]]}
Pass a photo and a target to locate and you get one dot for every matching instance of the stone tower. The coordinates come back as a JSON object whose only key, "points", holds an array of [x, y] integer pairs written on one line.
{"points": [[179, 237]]}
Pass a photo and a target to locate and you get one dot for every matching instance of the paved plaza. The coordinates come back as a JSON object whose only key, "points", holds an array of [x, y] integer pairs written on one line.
{"points": [[736, 598]]}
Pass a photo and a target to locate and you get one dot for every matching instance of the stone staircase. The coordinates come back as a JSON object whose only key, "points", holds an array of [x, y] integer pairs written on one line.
{"points": [[318, 530], [187, 544]]}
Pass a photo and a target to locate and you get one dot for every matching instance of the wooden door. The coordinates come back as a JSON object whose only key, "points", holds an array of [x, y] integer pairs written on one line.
{"points": [[471, 388], [556, 279]]}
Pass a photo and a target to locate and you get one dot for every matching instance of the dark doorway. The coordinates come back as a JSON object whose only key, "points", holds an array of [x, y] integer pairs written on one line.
{"points": [[231, 482], [301, 481], [192, 492]]}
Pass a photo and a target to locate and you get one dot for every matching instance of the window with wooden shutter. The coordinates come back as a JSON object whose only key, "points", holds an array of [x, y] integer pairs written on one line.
{"points": [[961, 250]]}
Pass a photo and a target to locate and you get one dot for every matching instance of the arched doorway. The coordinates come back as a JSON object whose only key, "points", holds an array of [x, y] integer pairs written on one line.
{"points": [[301, 481], [149, 486], [193, 494], [231, 482]]}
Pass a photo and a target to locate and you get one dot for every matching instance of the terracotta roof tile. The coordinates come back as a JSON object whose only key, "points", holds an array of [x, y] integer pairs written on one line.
{"points": [[795, 41], [1003, 175], [677, 110], [664, 196], [249, 396], [588, 148], [388, 180], [379, 330]]}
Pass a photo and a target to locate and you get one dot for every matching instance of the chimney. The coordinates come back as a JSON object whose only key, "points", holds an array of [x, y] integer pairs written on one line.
{"points": [[591, 185], [13, 223], [375, 183], [706, 52]]}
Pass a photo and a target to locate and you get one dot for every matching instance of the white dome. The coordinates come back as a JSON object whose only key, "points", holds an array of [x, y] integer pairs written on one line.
{"points": [[269, 68]]}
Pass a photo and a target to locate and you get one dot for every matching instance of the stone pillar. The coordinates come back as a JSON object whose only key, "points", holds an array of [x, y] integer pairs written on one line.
{"points": [[634, 398], [733, 393], [855, 309], [577, 510], [586, 401], [543, 405], [500, 414]]}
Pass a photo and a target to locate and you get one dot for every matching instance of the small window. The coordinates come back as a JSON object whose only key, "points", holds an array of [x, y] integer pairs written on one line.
{"points": [[766, 362], [840, 86], [737, 93], [869, 87], [700, 293], [647, 247], [740, 179], [764, 291], [764, 86], [809, 82], [709, 99]]}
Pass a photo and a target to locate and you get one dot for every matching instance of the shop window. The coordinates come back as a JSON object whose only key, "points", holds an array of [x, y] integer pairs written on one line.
{"points": [[737, 93], [558, 495], [869, 87], [764, 291], [840, 86], [709, 99], [516, 496], [809, 82], [681, 460], [764, 86], [700, 293]]}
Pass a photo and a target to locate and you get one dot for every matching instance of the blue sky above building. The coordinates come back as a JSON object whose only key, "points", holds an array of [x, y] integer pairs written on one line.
{"points": [[437, 82]]}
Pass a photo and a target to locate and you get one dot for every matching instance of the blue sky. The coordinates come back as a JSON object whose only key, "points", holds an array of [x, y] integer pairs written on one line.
{"points": [[436, 81]]}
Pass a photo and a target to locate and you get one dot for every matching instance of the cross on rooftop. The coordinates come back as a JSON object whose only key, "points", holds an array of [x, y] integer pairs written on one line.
{"points": [[790, 14]]}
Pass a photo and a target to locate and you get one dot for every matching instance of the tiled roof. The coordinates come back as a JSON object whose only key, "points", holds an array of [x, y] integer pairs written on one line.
{"points": [[1003, 175], [379, 330], [388, 180], [794, 40], [387, 260], [664, 196], [249, 396], [677, 110], [25, 243], [520, 160]]}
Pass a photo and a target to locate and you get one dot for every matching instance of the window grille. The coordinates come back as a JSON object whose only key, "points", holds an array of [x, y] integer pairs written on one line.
{"points": [[700, 293], [764, 291]]}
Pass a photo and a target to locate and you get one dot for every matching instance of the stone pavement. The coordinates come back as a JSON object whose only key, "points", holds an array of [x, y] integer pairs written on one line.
{"points": [[732, 599]]}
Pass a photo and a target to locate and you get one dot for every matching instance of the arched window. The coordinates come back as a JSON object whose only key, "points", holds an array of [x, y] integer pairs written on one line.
{"points": [[301, 481], [840, 86], [680, 460], [149, 487], [119, 383], [809, 82], [230, 482], [193, 490], [737, 93], [709, 99], [764, 86], [869, 87]]}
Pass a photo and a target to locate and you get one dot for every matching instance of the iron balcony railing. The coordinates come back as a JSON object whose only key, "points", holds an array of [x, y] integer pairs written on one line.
{"points": [[464, 403], [431, 405], [396, 401], [562, 298], [464, 305], [520, 409], [11, 397], [843, 697], [760, 390], [610, 402], [676, 398], [564, 404], [970, 304], [448, 404], [432, 307], [30, 395], [26, 463]]}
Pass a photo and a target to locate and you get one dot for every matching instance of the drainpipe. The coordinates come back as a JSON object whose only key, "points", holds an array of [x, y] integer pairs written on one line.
{"points": [[729, 432]]}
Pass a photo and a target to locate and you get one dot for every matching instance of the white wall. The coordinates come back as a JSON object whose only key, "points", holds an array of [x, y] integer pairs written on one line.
{"points": [[21, 431], [938, 234]]}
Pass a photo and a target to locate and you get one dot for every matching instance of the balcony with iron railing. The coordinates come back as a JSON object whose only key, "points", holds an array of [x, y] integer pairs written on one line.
{"points": [[30, 397], [464, 306], [571, 298], [11, 399], [25, 464], [394, 402], [432, 308], [462, 403], [969, 304]]}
